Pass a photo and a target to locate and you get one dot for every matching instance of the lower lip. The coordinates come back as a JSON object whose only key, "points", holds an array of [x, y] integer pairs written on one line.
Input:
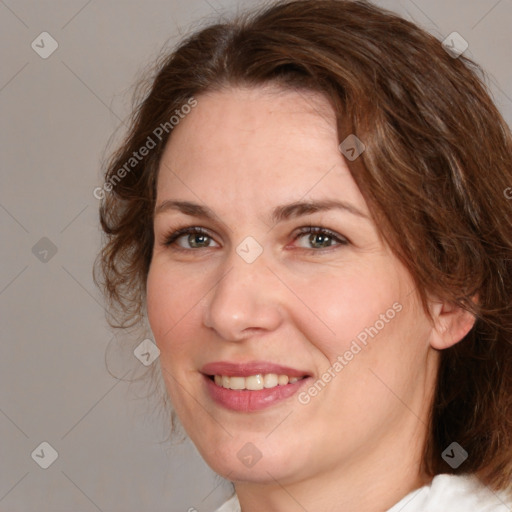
{"points": [[247, 401]]}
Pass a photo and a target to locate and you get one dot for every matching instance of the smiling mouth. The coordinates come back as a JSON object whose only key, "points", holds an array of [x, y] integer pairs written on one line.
{"points": [[253, 382]]}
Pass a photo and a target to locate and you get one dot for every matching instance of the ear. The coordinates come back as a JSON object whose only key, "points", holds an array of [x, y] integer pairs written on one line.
{"points": [[451, 324]]}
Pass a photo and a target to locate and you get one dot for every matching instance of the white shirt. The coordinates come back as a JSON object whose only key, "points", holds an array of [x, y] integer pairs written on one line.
{"points": [[446, 493]]}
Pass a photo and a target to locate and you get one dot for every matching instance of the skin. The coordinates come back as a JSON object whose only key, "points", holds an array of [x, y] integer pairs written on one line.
{"points": [[357, 445]]}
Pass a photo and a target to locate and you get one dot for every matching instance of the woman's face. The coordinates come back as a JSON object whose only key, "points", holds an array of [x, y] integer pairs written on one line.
{"points": [[287, 278]]}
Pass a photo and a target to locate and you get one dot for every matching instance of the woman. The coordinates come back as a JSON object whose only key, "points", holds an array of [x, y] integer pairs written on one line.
{"points": [[310, 208]]}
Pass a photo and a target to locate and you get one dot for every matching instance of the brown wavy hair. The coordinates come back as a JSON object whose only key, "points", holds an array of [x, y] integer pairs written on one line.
{"points": [[435, 172]]}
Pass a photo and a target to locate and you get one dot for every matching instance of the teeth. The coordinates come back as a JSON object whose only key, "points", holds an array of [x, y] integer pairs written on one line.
{"points": [[270, 380], [254, 382], [236, 382]]}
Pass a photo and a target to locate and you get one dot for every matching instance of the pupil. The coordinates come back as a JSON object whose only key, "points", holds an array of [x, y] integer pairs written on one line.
{"points": [[321, 240]]}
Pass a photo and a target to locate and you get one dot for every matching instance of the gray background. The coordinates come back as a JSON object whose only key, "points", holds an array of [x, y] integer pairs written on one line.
{"points": [[57, 115]]}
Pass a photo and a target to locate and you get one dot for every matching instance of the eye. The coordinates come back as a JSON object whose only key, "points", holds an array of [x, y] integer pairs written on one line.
{"points": [[190, 238], [316, 237], [313, 238]]}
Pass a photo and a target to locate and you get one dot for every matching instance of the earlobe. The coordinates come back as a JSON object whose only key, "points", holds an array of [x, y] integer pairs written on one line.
{"points": [[451, 325]]}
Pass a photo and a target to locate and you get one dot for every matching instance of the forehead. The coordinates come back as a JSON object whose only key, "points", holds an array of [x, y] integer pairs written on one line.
{"points": [[265, 142]]}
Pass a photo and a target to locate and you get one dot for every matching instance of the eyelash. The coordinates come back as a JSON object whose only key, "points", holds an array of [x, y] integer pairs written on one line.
{"points": [[306, 230]]}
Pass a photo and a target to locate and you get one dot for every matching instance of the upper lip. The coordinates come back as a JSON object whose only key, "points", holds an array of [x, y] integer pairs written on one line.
{"points": [[230, 369]]}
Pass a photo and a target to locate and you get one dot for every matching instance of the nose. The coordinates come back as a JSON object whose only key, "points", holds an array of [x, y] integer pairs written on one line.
{"points": [[246, 300]]}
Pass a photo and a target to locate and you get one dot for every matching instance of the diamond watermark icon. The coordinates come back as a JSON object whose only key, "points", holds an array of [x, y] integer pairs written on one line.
{"points": [[455, 45], [44, 45], [146, 352], [352, 147], [249, 455], [44, 250], [454, 455], [44, 455], [249, 249]]}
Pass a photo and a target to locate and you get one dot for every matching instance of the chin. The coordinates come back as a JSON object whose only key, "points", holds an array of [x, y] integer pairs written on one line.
{"points": [[255, 459]]}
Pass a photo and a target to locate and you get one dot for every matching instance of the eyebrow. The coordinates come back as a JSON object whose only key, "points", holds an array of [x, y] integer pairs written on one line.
{"points": [[279, 214]]}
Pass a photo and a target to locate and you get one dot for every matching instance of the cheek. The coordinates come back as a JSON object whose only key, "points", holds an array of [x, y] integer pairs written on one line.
{"points": [[158, 303], [163, 302], [172, 298], [342, 305]]}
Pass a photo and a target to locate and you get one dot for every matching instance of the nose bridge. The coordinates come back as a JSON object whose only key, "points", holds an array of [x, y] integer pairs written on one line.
{"points": [[245, 296]]}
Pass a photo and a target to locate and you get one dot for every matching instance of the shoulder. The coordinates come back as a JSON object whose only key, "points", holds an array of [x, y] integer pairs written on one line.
{"points": [[232, 505], [454, 493], [446, 493]]}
